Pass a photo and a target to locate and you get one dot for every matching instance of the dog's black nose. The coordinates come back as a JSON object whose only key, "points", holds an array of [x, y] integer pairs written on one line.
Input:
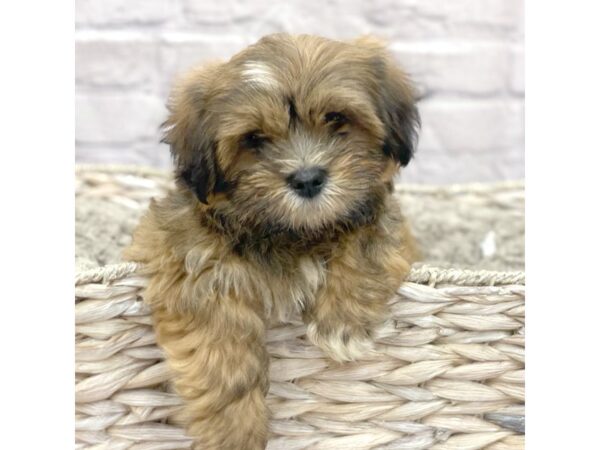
{"points": [[308, 182]]}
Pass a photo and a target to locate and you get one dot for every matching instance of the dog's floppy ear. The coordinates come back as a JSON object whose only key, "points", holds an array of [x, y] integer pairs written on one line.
{"points": [[400, 116], [189, 134], [395, 100]]}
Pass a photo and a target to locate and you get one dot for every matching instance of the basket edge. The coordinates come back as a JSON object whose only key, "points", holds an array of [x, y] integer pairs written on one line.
{"points": [[428, 275]]}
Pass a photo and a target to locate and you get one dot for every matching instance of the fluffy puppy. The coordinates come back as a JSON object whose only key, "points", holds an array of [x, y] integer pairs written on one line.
{"points": [[284, 163]]}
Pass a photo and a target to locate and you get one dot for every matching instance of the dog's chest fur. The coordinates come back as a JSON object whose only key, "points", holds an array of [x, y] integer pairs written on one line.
{"points": [[277, 273], [284, 282], [282, 275], [291, 287]]}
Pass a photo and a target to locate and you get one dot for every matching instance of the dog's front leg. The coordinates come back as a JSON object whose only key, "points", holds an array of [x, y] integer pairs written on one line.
{"points": [[220, 367], [362, 276]]}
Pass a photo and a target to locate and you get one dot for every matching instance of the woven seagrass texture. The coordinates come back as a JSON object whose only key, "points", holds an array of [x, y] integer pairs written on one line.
{"points": [[447, 371]]}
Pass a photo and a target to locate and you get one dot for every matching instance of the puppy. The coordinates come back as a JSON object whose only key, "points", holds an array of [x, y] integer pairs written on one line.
{"points": [[284, 163]]}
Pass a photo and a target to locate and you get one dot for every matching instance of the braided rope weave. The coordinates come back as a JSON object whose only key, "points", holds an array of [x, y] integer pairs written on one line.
{"points": [[447, 371]]}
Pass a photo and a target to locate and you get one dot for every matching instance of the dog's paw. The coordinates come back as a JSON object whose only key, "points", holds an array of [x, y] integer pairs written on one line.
{"points": [[342, 343]]}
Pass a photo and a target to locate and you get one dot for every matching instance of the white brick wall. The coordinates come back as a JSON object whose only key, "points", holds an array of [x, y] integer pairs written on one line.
{"points": [[466, 56]]}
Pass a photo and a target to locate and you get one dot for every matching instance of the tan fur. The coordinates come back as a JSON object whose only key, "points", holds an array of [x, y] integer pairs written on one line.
{"points": [[232, 248]]}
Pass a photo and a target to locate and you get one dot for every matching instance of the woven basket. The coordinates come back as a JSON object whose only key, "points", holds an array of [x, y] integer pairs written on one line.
{"points": [[448, 372]]}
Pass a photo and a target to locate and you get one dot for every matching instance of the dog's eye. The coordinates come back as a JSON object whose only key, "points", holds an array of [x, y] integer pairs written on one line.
{"points": [[336, 119], [253, 140]]}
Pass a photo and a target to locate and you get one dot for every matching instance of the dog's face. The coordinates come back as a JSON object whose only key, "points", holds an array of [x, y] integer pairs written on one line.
{"points": [[298, 132]]}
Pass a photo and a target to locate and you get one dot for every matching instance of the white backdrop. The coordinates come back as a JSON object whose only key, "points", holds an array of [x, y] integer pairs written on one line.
{"points": [[466, 56]]}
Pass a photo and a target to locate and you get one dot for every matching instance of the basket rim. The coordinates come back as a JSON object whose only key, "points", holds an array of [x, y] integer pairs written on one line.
{"points": [[423, 274]]}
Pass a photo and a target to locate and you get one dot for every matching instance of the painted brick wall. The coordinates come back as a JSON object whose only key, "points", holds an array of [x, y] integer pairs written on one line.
{"points": [[465, 55]]}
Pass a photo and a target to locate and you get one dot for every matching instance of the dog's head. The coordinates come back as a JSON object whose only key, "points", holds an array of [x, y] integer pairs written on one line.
{"points": [[295, 131]]}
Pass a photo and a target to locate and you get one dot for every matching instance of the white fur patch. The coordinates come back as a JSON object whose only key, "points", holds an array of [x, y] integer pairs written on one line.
{"points": [[259, 74], [313, 271], [336, 347]]}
